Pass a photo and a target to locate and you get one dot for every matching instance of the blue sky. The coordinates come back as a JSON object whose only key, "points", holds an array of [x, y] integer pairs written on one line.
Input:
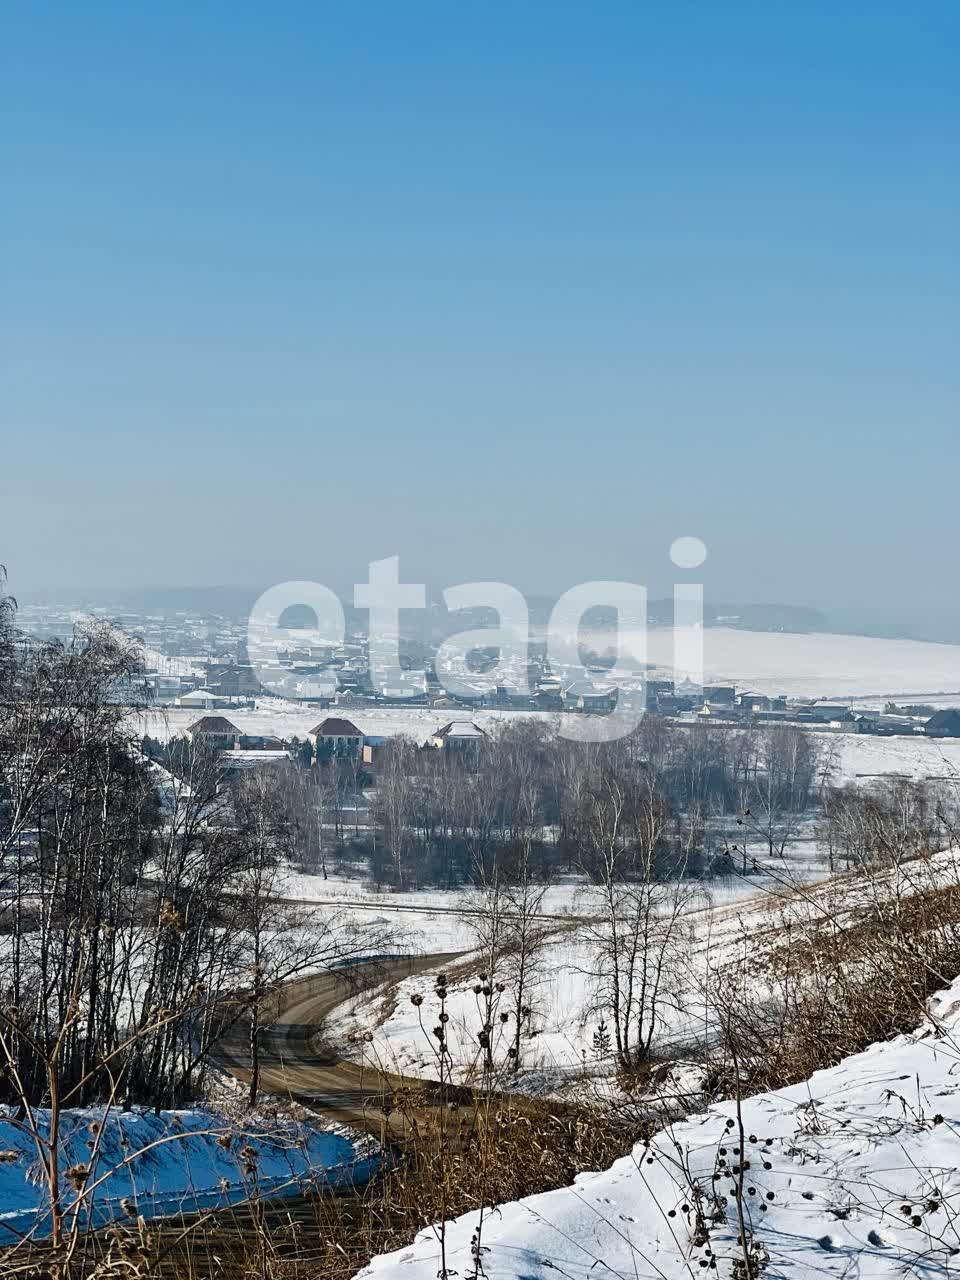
{"points": [[512, 291]]}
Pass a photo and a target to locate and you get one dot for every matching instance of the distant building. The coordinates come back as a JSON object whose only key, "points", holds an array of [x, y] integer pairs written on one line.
{"points": [[202, 700], [584, 695], [262, 742], [161, 688], [943, 724], [373, 749], [214, 731], [458, 734], [754, 702], [675, 704], [548, 695], [720, 695], [658, 692], [884, 726], [828, 712], [508, 694], [721, 711], [336, 736], [233, 680]]}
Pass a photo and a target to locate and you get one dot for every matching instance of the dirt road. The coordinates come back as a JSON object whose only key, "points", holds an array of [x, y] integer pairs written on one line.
{"points": [[298, 1063]]}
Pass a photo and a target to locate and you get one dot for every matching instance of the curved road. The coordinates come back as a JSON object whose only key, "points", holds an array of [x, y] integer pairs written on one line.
{"points": [[297, 1063]]}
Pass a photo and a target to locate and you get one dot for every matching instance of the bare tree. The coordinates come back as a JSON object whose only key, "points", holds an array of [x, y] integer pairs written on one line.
{"points": [[638, 933], [524, 944], [395, 802], [782, 786]]}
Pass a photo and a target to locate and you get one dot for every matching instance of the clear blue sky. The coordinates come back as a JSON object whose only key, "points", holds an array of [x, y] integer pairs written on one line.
{"points": [[519, 291]]}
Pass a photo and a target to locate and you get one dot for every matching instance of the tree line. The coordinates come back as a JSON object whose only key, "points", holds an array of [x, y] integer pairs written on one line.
{"points": [[444, 817]]}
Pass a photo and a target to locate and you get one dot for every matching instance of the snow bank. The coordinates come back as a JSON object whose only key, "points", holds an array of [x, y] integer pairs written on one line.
{"points": [[149, 1165], [854, 1172]]}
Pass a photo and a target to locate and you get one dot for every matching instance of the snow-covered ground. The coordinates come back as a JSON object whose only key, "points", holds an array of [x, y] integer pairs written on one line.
{"points": [[147, 1165], [439, 920], [724, 922], [855, 1172], [816, 665], [561, 899], [862, 756], [562, 992]]}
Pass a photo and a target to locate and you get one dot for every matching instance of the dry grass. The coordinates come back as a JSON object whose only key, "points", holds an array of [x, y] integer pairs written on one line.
{"points": [[485, 1155], [848, 977]]}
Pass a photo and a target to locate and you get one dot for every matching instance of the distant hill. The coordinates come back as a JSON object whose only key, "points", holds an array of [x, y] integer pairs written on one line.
{"points": [[233, 603]]}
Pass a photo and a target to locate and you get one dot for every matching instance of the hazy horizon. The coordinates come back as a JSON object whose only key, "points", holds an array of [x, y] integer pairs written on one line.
{"points": [[237, 598]]}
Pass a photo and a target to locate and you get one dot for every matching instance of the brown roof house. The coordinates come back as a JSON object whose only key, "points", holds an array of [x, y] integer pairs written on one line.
{"points": [[336, 736], [214, 731]]}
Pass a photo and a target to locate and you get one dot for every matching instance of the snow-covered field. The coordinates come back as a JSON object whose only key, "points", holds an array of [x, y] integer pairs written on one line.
{"points": [[862, 756], [561, 899], [420, 923], [816, 665], [855, 1172], [146, 1165], [439, 920]]}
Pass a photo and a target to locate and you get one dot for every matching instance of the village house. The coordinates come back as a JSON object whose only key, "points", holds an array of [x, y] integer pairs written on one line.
{"points": [[726, 711], [943, 724], [832, 713], [202, 700], [214, 731], [754, 702], [884, 726], [233, 680], [336, 736], [584, 695], [719, 695], [656, 690], [457, 734]]}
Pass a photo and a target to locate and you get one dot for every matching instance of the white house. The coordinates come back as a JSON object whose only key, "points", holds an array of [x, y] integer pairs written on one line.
{"points": [[457, 733], [202, 700]]}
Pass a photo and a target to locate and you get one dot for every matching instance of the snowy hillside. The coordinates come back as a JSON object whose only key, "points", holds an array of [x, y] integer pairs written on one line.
{"points": [[853, 1172], [817, 665]]}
